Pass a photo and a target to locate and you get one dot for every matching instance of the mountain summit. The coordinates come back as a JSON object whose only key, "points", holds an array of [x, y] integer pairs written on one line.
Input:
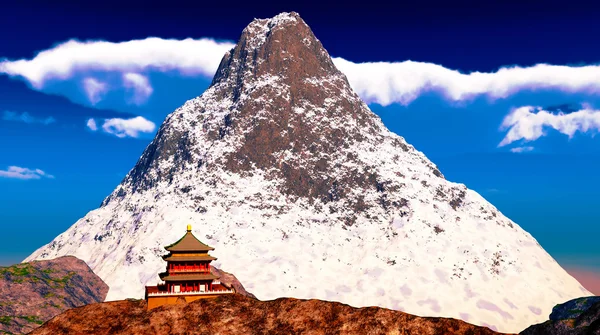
{"points": [[305, 193], [277, 106]]}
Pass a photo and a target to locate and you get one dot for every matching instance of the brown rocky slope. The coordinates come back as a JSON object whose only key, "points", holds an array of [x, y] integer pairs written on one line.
{"points": [[231, 280], [32, 293], [237, 314]]}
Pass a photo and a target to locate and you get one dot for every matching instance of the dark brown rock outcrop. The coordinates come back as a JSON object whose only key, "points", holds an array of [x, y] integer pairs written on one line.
{"points": [[237, 314], [575, 317], [32, 293]]}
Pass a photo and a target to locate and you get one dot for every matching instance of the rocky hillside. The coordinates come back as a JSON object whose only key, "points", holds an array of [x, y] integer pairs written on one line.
{"points": [[236, 314], [32, 293], [230, 279], [575, 317], [305, 193]]}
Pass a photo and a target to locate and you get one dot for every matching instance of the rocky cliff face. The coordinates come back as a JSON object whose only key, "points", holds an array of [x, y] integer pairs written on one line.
{"points": [[575, 317], [32, 293], [236, 314], [304, 193]]}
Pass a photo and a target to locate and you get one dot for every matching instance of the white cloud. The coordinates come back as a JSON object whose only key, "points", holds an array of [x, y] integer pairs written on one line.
{"points": [[123, 127], [91, 124], [189, 56], [16, 172], [386, 83], [128, 127], [140, 85], [26, 118], [521, 149], [94, 89], [376, 82], [529, 123]]}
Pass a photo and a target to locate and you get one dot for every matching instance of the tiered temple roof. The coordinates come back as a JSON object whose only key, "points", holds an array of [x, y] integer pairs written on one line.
{"points": [[189, 243]]}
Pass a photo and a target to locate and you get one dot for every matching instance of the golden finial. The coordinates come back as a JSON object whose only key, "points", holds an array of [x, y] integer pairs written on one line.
{"points": [[189, 228]]}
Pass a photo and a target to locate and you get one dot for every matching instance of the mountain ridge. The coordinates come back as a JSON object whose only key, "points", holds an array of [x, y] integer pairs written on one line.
{"points": [[235, 314]]}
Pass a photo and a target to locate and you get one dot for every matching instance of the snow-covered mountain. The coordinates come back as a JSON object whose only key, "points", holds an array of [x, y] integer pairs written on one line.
{"points": [[305, 193]]}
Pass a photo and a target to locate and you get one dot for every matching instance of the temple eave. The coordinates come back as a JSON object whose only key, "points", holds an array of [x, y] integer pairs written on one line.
{"points": [[188, 258], [178, 278]]}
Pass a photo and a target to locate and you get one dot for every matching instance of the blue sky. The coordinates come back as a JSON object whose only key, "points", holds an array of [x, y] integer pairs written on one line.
{"points": [[461, 83]]}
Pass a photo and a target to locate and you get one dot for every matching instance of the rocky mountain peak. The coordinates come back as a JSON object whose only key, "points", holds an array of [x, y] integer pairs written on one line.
{"points": [[277, 104], [283, 46]]}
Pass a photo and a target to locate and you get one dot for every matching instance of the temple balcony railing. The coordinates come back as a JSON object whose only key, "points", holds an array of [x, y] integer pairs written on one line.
{"points": [[188, 270], [163, 293], [214, 282]]}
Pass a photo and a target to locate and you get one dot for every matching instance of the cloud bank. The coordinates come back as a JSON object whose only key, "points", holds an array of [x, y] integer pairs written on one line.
{"points": [[378, 82], [26, 118], [386, 83], [124, 127], [189, 56], [529, 123], [16, 172]]}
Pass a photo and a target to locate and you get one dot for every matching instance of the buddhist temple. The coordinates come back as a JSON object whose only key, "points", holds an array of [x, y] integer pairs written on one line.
{"points": [[188, 276]]}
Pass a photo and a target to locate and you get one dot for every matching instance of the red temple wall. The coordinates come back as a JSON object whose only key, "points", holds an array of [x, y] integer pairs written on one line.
{"points": [[188, 266]]}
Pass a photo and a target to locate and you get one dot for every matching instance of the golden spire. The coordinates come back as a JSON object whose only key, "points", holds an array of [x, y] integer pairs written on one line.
{"points": [[189, 228]]}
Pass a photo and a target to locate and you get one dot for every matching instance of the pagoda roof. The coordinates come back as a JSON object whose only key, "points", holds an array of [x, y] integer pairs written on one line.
{"points": [[188, 242], [189, 258], [204, 276]]}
